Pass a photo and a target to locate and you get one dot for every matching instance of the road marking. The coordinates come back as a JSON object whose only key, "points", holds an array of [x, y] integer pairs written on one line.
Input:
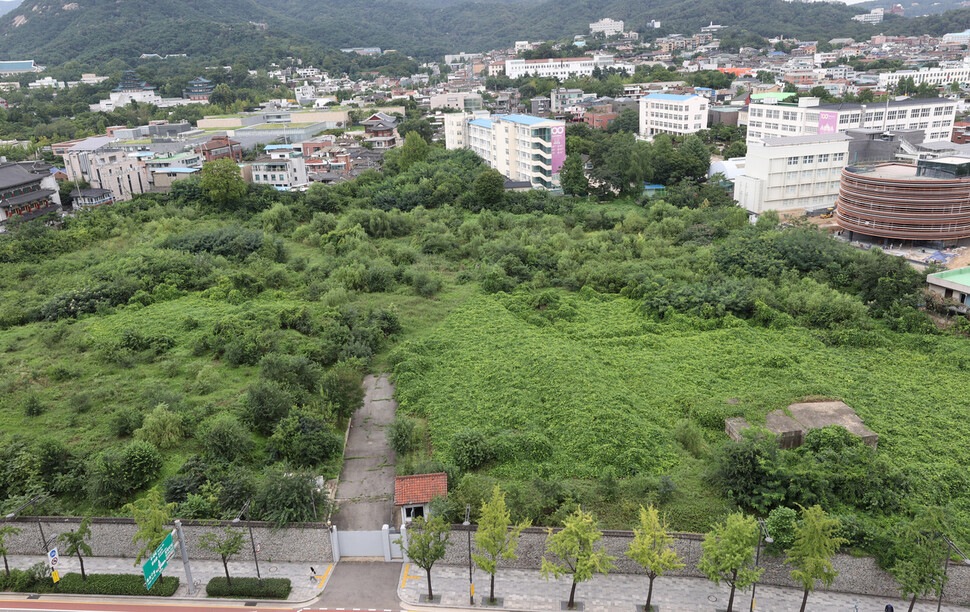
{"points": [[407, 576], [323, 578]]}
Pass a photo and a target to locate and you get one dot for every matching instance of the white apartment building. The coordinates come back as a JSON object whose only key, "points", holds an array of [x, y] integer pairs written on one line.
{"points": [[305, 94], [873, 17], [772, 120], [796, 172], [672, 114], [521, 147], [104, 166], [282, 167], [458, 100], [607, 27], [561, 68], [959, 38], [944, 74], [561, 97]]}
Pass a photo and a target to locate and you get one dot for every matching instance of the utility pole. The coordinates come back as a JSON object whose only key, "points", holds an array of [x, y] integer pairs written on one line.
{"points": [[185, 557]]}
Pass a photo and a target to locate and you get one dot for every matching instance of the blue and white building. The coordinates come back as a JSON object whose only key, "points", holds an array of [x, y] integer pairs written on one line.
{"points": [[663, 113]]}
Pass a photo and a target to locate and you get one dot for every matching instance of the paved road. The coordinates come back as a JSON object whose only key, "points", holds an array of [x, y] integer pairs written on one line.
{"points": [[366, 485], [362, 586]]}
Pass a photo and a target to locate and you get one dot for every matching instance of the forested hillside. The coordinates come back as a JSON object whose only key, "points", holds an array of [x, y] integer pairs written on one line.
{"points": [[101, 30]]}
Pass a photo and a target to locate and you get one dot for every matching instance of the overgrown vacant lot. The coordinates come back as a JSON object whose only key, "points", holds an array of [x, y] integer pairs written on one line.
{"points": [[594, 385]]}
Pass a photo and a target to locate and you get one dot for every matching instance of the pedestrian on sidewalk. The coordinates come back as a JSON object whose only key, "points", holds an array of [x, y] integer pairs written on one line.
{"points": [[889, 608]]}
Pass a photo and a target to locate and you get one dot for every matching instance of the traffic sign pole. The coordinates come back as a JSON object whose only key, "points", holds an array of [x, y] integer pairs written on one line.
{"points": [[185, 558]]}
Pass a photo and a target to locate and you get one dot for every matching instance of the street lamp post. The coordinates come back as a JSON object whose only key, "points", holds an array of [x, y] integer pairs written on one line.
{"points": [[950, 546], [252, 540], [14, 514], [762, 536], [468, 529]]}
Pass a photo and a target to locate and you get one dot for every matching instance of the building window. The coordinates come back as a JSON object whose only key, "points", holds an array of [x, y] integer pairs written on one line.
{"points": [[839, 157], [823, 158], [808, 159], [792, 161]]}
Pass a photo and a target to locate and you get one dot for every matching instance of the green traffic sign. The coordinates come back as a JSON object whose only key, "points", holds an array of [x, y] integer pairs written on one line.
{"points": [[156, 563]]}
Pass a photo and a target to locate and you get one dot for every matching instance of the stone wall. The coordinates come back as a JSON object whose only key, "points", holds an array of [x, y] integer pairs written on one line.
{"points": [[856, 574], [112, 537]]}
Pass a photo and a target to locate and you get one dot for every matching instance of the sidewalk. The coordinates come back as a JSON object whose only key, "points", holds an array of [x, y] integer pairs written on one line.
{"points": [[527, 590], [304, 586]]}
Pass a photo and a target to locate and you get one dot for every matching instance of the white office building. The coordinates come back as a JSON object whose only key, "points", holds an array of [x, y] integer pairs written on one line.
{"points": [[672, 114], [521, 147], [934, 116], [562, 67], [942, 75], [607, 27], [282, 167], [796, 172]]}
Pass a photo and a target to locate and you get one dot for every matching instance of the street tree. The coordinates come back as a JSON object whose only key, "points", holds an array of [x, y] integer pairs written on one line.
{"points": [[573, 177], [75, 544], [494, 538], [574, 552], [6, 530], [222, 182], [816, 541], [652, 548], [728, 553], [225, 545], [426, 544], [152, 517], [919, 566]]}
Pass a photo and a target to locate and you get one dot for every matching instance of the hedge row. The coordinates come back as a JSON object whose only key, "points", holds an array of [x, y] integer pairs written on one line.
{"points": [[28, 581], [248, 588]]}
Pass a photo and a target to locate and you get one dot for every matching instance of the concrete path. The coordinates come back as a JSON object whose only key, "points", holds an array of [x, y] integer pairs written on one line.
{"points": [[366, 486], [362, 586], [305, 586], [527, 590]]}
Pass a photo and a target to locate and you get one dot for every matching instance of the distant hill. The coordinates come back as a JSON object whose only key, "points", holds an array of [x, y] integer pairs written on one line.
{"points": [[98, 31], [8, 5], [918, 8]]}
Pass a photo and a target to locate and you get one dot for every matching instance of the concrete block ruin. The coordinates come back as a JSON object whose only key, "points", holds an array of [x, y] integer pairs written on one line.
{"points": [[791, 430]]}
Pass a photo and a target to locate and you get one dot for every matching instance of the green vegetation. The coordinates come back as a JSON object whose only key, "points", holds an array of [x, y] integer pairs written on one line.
{"points": [[225, 546], [729, 554], [249, 588], [426, 545], [572, 552], [36, 579], [652, 548], [496, 538]]}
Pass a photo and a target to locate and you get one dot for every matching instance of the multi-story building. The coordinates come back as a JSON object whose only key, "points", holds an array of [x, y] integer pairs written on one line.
{"points": [[541, 105], [873, 17], [929, 201], [560, 68], [943, 75], [105, 166], [381, 130], [219, 147], [606, 26], [672, 114], [521, 147], [797, 172], [8, 68], [561, 97], [282, 167], [22, 194], [934, 116], [459, 100]]}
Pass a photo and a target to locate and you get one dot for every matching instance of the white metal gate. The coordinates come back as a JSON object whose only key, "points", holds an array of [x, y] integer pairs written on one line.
{"points": [[366, 544]]}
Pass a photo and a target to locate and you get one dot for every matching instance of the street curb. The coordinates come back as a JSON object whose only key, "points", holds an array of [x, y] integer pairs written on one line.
{"points": [[431, 607], [154, 599]]}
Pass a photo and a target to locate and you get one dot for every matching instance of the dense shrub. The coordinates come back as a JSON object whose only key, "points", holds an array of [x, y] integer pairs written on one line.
{"points": [[249, 588], [115, 584], [125, 421], [161, 427], [402, 435], [230, 241], [780, 525], [282, 498], [304, 440], [142, 462], [266, 403], [470, 450], [224, 438]]}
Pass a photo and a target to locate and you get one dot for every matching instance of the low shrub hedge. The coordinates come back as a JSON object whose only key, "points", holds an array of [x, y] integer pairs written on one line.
{"points": [[96, 584], [248, 588]]}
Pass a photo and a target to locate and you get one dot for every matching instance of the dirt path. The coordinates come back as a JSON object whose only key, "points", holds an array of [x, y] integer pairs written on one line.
{"points": [[366, 485]]}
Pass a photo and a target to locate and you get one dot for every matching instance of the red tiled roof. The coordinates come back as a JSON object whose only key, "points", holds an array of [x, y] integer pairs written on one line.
{"points": [[420, 488]]}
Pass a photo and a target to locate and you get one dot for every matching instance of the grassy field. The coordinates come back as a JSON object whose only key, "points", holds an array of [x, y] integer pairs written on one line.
{"points": [[605, 385]]}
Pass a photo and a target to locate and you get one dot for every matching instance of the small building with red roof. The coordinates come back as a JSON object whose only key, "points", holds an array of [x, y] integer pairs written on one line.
{"points": [[413, 494]]}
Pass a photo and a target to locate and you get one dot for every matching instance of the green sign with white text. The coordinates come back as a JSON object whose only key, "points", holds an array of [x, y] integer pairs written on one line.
{"points": [[159, 559]]}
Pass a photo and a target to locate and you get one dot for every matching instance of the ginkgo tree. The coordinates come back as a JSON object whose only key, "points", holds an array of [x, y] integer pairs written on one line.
{"points": [[575, 553], [729, 553], [75, 543], [816, 541], [652, 548], [495, 539]]}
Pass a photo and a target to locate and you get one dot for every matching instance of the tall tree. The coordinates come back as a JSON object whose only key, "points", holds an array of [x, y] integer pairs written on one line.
{"points": [[152, 516], [5, 531], [918, 569], [695, 157], [816, 540], [489, 187], [729, 553], [652, 548], [221, 181], [221, 95], [415, 149], [75, 544], [494, 538], [427, 544], [225, 545], [575, 553], [572, 176], [627, 121]]}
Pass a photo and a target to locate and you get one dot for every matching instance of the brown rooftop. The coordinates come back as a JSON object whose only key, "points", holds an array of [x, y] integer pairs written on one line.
{"points": [[420, 488]]}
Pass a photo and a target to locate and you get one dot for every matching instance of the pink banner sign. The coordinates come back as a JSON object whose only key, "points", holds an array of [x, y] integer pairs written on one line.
{"points": [[558, 147], [828, 122]]}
